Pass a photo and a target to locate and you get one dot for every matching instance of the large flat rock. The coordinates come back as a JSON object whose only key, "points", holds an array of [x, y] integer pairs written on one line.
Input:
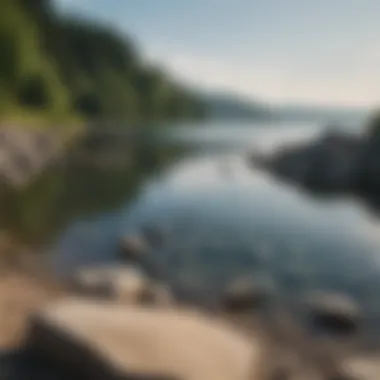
{"points": [[112, 341]]}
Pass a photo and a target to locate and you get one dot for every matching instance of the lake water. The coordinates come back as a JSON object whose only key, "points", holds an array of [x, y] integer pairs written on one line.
{"points": [[222, 217]]}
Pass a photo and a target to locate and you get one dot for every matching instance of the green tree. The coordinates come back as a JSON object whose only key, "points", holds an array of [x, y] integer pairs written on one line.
{"points": [[66, 65], [34, 93]]}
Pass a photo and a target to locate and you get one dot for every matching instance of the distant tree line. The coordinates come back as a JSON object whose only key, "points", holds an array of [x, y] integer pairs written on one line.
{"points": [[61, 65]]}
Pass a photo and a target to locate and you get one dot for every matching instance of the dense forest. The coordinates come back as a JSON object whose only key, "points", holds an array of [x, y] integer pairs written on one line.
{"points": [[55, 68]]}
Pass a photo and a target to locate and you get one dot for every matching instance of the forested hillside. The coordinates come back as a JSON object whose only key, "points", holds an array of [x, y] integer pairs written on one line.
{"points": [[55, 68]]}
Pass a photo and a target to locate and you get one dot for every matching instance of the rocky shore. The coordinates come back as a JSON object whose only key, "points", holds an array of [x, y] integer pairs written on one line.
{"points": [[127, 321], [120, 322]]}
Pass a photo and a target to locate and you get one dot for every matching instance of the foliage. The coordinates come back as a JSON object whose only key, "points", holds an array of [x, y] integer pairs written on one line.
{"points": [[34, 93], [62, 66]]}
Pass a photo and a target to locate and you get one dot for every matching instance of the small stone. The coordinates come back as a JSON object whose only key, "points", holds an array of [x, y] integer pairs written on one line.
{"points": [[248, 293], [134, 247], [119, 282], [158, 295]]}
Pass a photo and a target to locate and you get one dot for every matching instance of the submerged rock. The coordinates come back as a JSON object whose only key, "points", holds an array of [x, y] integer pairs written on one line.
{"points": [[106, 341], [334, 313], [246, 293], [134, 247]]}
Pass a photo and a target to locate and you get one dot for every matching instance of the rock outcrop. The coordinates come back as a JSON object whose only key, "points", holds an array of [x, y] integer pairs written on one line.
{"points": [[333, 162], [24, 153]]}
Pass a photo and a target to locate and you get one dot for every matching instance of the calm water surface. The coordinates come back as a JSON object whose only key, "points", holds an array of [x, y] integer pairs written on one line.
{"points": [[222, 218]]}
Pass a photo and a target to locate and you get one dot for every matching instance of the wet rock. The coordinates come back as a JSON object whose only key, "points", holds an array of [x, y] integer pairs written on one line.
{"points": [[334, 313], [119, 282], [106, 341], [246, 293], [134, 247]]}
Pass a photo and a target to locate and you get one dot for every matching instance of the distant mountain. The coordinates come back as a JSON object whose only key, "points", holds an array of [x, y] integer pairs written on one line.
{"points": [[230, 106], [320, 114], [224, 105]]}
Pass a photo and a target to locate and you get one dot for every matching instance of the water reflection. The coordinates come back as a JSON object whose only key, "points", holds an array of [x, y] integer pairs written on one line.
{"points": [[221, 217], [77, 189], [220, 229]]}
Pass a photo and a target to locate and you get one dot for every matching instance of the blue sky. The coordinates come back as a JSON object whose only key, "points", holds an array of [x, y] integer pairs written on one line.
{"points": [[283, 51]]}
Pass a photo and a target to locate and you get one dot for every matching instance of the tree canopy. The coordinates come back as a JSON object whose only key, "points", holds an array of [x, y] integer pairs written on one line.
{"points": [[60, 65]]}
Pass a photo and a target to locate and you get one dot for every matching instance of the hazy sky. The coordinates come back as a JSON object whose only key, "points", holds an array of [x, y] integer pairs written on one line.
{"points": [[286, 51]]}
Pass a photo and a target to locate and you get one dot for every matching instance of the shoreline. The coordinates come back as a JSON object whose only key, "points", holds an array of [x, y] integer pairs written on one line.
{"points": [[287, 346]]}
